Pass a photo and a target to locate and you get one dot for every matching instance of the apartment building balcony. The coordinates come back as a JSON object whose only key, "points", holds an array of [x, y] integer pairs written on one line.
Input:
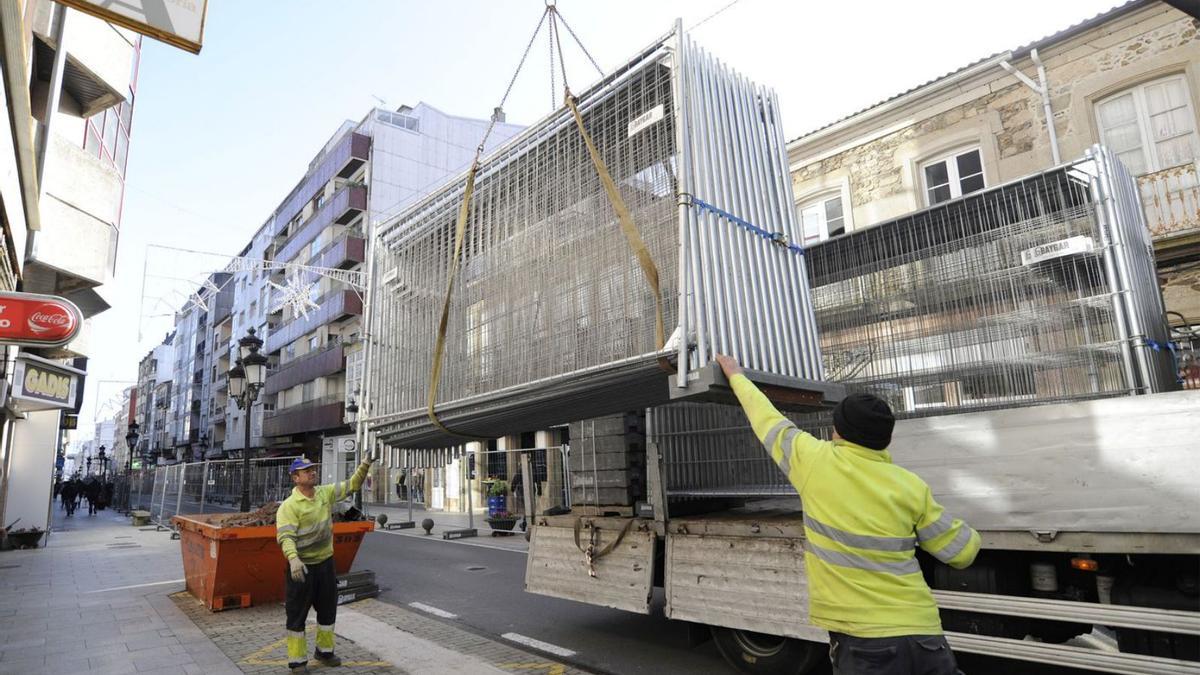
{"points": [[1171, 201], [322, 413], [327, 361], [341, 161], [331, 307], [344, 253], [345, 205]]}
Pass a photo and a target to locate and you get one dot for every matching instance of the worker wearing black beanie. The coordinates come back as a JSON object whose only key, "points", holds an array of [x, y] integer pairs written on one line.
{"points": [[864, 419], [864, 517]]}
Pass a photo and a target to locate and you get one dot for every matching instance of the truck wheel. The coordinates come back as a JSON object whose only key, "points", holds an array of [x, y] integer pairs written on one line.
{"points": [[762, 654]]}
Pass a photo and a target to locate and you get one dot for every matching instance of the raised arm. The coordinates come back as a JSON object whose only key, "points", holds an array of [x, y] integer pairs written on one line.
{"points": [[790, 447]]}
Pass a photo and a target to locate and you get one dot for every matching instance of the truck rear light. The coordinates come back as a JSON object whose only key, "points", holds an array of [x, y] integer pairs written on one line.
{"points": [[1085, 564]]}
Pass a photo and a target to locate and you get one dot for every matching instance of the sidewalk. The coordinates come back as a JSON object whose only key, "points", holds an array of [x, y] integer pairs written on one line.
{"points": [[105, 597], [443, 522]]}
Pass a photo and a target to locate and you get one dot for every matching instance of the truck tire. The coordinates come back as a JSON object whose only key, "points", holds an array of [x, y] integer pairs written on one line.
{"points": [[761, 654]]}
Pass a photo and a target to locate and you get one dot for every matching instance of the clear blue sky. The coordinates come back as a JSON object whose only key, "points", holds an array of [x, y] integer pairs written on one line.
{"points": [[219, 139]]}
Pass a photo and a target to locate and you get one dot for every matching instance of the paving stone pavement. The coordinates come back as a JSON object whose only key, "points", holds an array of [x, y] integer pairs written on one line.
{"points": [[253, 638], [93, 600], [104, 597]]}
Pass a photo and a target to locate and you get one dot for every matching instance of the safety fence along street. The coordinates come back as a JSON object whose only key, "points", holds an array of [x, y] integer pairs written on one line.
{"points": [[207, 487]]}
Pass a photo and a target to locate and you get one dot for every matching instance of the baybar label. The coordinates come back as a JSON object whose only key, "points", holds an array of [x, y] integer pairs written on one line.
{"points": [[34, 320]]}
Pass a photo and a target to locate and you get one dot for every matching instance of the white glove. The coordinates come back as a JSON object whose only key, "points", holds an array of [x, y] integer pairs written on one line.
{"points": [[297, 569], [371, 457]]}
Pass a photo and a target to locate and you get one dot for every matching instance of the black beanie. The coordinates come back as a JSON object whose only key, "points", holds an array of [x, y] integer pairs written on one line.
{"points": [[864, 419]]}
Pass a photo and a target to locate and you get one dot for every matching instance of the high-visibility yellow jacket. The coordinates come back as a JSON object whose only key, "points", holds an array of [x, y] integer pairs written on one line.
{"points": [[304, 526], [863, 519]]}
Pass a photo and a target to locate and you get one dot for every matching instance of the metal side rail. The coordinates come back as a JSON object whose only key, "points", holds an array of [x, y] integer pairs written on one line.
{"points": [[1073, 657], [1165, 620]]}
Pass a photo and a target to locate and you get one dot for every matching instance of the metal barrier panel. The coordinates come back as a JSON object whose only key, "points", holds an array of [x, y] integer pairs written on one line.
{"points": [[552, 318]]}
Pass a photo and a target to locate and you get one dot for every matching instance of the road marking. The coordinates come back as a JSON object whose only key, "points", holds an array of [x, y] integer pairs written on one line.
{"points": [[538, 644], [432, 610], [547, 668], [125, 588]]}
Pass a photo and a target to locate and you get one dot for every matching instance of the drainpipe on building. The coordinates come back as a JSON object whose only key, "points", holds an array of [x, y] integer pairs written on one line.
{"points": [[1044, 91]]}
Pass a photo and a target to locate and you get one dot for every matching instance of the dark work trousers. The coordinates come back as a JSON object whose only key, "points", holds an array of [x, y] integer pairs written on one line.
{"points": [[902, 655], [318, 590]]}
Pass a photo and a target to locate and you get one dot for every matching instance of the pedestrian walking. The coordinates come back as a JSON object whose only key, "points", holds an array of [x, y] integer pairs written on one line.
{"points": [[863, 519], [92, 492], [304, 530], [69, 491], [400, 484]]}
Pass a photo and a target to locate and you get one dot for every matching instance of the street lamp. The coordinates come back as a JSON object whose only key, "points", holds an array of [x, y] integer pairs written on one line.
{"points": [[245, 379], [131, 441], [103, 458], [352, 418]]}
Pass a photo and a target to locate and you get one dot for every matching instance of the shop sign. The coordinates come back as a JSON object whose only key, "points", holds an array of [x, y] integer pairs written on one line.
{"points": [[35, 320], [40, 384], [175, 22]]}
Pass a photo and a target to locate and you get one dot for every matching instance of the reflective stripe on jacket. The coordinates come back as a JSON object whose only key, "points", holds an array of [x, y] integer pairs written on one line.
{"points": [[863, 518], [304, 527]]}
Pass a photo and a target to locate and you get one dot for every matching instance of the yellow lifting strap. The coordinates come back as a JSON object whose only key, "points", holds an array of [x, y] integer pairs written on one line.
{"points": [[627, 225], [439, 348]]}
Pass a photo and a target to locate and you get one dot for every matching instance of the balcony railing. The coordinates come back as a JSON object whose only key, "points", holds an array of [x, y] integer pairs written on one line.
{"points": [[332, 307], [326, 361], [1171, 200], [322, 413], [342, 160], [345, 204], [344, 253]]}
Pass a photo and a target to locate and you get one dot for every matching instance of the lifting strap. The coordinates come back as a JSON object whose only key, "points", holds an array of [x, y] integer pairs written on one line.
{"points": [[590, 554], [439, 348], [627, 225]]}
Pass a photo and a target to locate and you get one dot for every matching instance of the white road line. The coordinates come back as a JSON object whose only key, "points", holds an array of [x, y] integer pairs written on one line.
{"points": [[538, 644], [125, 588], [432, 610]]}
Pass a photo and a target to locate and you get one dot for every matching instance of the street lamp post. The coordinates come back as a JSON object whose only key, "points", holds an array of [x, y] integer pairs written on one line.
{"points": [[103, 459], [352, 418], [131, 441], [245, 379]]}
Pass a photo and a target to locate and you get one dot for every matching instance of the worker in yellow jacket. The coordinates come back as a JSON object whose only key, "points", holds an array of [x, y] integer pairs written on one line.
{"points": [[863, 519], [304, 530]]}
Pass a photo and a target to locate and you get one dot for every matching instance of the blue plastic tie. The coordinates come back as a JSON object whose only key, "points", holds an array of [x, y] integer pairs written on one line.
{"points": [[777, 238]]}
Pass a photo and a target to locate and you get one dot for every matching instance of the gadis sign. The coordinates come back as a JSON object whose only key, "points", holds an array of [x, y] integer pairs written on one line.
{"points": [[33, 320]]}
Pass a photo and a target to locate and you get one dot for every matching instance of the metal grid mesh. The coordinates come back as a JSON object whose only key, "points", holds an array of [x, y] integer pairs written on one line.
{"points": [[1038, 291], [552, 319]]}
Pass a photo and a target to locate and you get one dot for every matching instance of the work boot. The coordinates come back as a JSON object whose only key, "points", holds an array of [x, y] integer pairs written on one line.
{"points": [[331, 660], [301, 669]]}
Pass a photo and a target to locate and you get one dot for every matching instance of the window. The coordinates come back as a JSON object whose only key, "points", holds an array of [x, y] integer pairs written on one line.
{"points": [[821, 219], [954, 176], [1151, 126], [314, 343], [309, 391]]}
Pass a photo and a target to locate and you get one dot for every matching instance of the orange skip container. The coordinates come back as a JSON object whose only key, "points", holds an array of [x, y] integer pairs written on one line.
{"points": [[232, 567]]}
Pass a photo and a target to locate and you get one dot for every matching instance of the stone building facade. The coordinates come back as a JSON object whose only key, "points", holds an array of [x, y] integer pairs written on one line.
{"points": [[1128, 78]]}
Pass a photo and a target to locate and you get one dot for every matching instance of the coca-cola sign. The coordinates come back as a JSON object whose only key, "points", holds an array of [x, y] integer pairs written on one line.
{"points": [[34, 320]]}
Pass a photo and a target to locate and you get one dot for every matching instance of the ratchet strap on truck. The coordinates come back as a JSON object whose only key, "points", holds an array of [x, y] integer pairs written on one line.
{"points": [[590, 553]]}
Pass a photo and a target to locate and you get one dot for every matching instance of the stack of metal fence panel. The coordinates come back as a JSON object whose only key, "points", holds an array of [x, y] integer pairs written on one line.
{"points": [[552, 319], [1037, 291], [608, 460]]}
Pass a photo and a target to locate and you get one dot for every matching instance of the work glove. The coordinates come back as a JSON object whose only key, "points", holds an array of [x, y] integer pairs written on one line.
{"points": [[296, 567], [371, 457]]}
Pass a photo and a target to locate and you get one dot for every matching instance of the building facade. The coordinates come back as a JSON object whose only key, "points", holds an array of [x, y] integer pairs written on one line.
{"points": [[1128, 78], [284, 284], [70, 83], [155, 376]]}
